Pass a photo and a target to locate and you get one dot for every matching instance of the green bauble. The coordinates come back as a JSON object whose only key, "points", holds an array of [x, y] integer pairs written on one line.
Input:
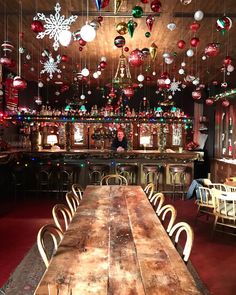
{"points": [[147, 34], [137, 11]]}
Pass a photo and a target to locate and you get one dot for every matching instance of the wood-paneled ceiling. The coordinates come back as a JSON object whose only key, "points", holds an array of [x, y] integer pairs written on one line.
{"points": [[103, 45]]}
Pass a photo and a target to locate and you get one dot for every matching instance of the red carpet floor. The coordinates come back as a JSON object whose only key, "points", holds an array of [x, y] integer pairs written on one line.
{"points": [[213, 259]]}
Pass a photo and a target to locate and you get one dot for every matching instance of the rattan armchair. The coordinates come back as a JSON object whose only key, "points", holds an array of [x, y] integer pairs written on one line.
{"points": [[56, 235]]}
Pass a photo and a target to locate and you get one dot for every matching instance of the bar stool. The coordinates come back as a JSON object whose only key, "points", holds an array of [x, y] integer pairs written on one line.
{"points": [[44, 178], [96, 172], [152, 174], [177, 179], [128, 171], [66, 178]]}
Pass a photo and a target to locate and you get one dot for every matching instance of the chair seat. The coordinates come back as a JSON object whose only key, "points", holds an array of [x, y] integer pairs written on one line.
{"points": [[177, 169], [150, 168], [98, 167], [128, 168]]}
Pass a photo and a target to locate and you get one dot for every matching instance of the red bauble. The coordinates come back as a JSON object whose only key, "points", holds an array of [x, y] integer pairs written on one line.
{"points": [[103, 64], [227, 60], [144, 1], [19, 83], [105, 3], [126, 49], [181, 44], [194, 26], [80, 48], [100, 18], [209, 101], [196, 95], [148, 78], [37, 26], [82, 42], [156, 6], [112, 93], [64, 58], [225, 103], [6, 61], [129, 91], [64, 88], [212, 49], [215, 82], [194, 42], [136, 58]]}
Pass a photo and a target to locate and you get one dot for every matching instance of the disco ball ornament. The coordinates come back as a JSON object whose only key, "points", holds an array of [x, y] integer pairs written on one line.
{"points": [[137, 12], [19, 83], [119, 41], [181, 44], [225, 103], [37, 26], [156, 6], [122, 28], [212, 49], [136, 58], [194, 42], [198, 15], [223, 24], [196, 95], [194, 27], [209, 101]]}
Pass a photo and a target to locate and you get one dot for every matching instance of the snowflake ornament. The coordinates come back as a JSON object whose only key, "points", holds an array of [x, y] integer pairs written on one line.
{"points": [[50, 66], [174, 86], [54, 24]]}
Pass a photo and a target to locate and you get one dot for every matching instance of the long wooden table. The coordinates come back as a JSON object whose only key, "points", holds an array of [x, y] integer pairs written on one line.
{"points": [[115, 244]]}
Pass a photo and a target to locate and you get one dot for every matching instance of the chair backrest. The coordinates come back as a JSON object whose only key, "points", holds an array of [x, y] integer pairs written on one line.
{"points": [[219, 186], [72, 201], [77, 190], [163, 212], [157, 201], [119, 179], [205, 197], [178, 228], [60, 210], [52, 231], [149, 189]]}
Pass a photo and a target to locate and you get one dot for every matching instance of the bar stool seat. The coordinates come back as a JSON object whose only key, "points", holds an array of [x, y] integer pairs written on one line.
{"points": [[96, 172], [129, 172], [152, 174], [177, 179]]}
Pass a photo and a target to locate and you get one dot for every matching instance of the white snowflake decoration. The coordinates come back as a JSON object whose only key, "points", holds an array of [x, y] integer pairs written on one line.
{"points": [[54, 24], [50, 66], [174, 86]]}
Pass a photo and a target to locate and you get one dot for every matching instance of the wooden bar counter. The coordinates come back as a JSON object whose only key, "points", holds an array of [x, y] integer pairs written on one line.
{"points": [[115, 244]]}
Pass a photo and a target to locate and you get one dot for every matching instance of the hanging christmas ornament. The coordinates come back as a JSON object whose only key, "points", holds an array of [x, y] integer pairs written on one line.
{"points": [[103, 65], [144, 1], [50, 66], [119, 41], [140, 78], [171, 26], [223, 24], [181, 44], [54, 24], [165, 55], [169, 60], [37, 26], [136, 58], [145, 52], [225, 103], [6, 61], [98, 4], [129, 91], [209, 101], [230, 68], [196, 95], [190, 53], [185, 2], [95, 24], [194, 27], [105, 3], [40, 84], [174, 86], [147, 34], [87, 33], [198, 15], [19, 83], [149, 22], [212, 49], [181, 71], [64, 58], [82, 42], [156, 6], [194, 41], [122, 28], [112, 93], [153, 51], [117, 5], [126, 49], [131, 27], [227, 60], [7, 46], [137, 12]]}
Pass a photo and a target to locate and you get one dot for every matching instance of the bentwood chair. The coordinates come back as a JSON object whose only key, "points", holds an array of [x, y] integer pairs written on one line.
{"points": [[113, 179], [224, 211], [149, 189], [77, 191], [60, 210], [49, 230], [157, 201], [162, 213], [204, 202], [183, 227], [72, 202]]}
